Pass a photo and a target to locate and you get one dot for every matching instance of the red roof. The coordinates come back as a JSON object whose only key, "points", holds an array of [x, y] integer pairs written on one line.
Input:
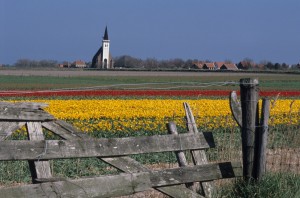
{"points": [[229, 66], [198, 64], [219, 64], [209, 65], [79, 62]]}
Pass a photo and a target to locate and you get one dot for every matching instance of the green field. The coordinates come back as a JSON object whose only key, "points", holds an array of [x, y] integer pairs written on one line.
{"points": [[267, 81]]}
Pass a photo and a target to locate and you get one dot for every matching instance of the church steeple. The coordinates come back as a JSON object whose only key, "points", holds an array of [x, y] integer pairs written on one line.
{"points": [[102, 59], [105, 37]]}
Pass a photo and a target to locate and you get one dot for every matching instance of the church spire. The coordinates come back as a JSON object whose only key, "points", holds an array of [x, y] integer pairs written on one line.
{"points": [[105, 37]]}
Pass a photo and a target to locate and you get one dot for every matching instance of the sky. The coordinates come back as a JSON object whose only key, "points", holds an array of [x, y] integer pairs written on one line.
{"points": [[215, 30]]}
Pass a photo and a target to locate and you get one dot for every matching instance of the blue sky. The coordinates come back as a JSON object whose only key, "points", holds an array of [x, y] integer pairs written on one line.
{"points": [[215, 30]]}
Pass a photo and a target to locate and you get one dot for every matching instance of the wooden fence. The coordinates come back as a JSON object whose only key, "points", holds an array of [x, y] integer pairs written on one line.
{"points": [[254, 127], [136, 177]]}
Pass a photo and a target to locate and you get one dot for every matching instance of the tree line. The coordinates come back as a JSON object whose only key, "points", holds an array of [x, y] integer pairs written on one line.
{"points": [[129, 62]]}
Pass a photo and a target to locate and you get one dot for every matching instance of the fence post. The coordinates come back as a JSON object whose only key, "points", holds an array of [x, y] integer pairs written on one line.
{"points": [[181, 159], [249, 101], [261, 141], [198, 156]]}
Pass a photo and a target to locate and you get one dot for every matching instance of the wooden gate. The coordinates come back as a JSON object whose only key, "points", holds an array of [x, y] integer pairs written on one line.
{"points": [[114, 151]]}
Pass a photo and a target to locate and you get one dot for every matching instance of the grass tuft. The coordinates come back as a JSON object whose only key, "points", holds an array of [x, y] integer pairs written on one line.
{"points": [[283, 185]]}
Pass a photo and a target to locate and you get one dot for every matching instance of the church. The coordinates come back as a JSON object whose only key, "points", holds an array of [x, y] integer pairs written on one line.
{"points": [[102, 59]]}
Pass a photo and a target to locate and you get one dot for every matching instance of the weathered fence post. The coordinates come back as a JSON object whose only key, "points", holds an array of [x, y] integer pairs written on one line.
{"points": [[254, 130], [181, 159], [198, 156], [261, 141], [172, 129], [38, 168], [249, 101]]}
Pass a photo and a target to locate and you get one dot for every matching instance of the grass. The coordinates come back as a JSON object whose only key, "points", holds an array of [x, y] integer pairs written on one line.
{"points": [[267, 81], [283, 185]]}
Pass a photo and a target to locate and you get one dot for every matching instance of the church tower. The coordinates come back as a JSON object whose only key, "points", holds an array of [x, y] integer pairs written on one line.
{"points": [[102, 58], [105, 47]]}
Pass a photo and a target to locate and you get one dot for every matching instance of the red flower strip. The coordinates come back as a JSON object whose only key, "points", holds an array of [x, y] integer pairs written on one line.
{"points": [[136, 93]]}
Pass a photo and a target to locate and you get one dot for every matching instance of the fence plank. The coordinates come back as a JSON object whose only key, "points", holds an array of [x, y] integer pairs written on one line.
{"points": [[60, 131], [123, 184], [129, 165], [26, 105], [205, 172], [7, 128], [199, 156], [104, 147], [39, 168], [73, 130], [23, 114]]}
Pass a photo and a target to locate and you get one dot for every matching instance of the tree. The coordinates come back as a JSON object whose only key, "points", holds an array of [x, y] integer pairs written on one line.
{"points": [[269, 65], [127, 62], [23, 63], [151, 63], [277, 66], [189, 64], [246, 63], [33, 63], [284, 66]]}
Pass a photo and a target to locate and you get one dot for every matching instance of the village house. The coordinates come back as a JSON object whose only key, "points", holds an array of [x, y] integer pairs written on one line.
{"points": [[197, 65], [229, 66], [209, 66], [218, 65], [75, 64], [79, 64], [65, 64], [215, 66]]}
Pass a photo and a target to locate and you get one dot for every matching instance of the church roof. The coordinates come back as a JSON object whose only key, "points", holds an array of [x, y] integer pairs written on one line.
{"points": [[105, 37]]}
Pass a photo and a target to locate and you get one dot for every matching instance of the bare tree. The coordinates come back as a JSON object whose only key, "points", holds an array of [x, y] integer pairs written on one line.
{"points": [[33, 63], [246, 63]]}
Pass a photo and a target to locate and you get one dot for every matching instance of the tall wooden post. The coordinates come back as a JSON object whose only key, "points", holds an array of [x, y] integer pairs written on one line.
{"points": [[261, 140], [249, 100]]}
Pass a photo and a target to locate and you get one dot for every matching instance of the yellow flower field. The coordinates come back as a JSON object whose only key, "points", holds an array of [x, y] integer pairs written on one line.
{"points": [[152, 115]]}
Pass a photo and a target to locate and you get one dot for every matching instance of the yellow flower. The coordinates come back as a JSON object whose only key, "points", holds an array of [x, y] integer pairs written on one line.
{"points": [[152, 115]]}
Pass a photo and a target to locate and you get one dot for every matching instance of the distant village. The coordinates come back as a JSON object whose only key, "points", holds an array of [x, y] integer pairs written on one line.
{"points": [[195, 65], [102, 59]]}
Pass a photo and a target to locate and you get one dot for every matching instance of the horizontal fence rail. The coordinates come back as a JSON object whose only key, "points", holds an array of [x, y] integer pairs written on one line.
{"points": [[26, 114], [59, 149], [124, 184]]}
